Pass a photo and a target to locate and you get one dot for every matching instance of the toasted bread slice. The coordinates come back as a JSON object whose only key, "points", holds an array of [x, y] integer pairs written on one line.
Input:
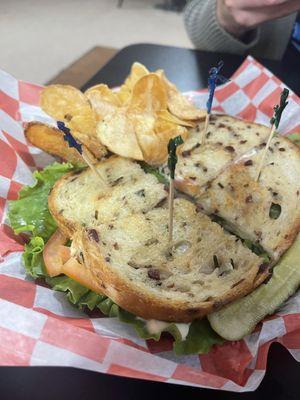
{"points": [[75, 198], [227, 139], [120, 233], [268, 211]]}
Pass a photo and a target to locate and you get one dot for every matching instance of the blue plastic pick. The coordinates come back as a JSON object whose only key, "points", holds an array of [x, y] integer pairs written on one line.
{"points": [[213, 79], [68, 137]]}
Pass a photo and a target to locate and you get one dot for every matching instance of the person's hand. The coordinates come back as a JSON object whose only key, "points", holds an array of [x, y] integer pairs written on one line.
{"points": [[239, 16]]}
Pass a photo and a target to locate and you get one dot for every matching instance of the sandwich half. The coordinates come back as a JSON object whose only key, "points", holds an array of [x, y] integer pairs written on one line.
{"points": [[265, 211], [119, 233]]}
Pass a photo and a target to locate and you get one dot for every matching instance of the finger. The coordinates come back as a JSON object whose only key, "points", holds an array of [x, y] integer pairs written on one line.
{"points": [[256, 16], [249, 4]]}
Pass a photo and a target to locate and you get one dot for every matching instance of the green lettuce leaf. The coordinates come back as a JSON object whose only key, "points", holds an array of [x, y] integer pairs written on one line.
{"points": [[295, 137], [149, 169], [200, 339], [30, 213], [33, 258], [74, 290], [254, 247]]}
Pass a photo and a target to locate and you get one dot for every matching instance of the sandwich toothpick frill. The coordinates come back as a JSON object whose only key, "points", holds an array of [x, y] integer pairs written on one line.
{"points": [[274, 121], [213, 79], [82, 150], [172, 161]]}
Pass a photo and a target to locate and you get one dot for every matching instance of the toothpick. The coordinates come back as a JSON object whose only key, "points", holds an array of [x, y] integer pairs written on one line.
{"points": [[262, 160], [82, 150], [203, 137], [171, 209], [86, 155], [275, 120], [172, 161]]}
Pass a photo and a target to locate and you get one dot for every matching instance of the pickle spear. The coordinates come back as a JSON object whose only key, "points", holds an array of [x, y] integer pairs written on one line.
{"points": [[238, 319]]}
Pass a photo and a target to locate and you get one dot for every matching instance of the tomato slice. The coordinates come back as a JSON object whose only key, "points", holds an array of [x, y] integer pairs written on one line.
{"points": [[73, 269], [58, 260], [55, 254]]}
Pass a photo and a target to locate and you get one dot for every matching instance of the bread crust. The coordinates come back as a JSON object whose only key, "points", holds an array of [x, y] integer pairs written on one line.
{"points": [[287, 241], [146, 305], [64, 225]]}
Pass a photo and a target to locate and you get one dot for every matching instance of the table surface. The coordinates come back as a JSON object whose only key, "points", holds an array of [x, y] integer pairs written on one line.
{"points": [[188, 70]]}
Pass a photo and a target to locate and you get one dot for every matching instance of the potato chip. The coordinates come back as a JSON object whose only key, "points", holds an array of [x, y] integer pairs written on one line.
{"points": [[149, 95], [68, 104], [105, 92], [83, 123], [182, 108], [168, 117], [160, 73], [62, 102], [117, 132], [83, 128], [94, 146], [103, 100], [101, 107], [178, 104], [136, 73], [153, 136], [144, 130], [124, 95], [136, 122], [164, 132], [168, 129]]}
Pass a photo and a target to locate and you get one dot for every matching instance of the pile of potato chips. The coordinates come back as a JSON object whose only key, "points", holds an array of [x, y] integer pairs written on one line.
{"points": [[135, 122]]}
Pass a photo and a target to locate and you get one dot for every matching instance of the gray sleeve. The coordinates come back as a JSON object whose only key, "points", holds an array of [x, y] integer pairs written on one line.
{"points": [[269, 40], [206, 33]]}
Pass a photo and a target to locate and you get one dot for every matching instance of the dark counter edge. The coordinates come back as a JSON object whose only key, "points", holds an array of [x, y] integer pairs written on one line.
{"points": [[61, 383]]}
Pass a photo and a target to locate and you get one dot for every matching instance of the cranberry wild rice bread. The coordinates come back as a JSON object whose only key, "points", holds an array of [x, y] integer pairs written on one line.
{"points": [[119, 232], [266, 211], [227, 139]]}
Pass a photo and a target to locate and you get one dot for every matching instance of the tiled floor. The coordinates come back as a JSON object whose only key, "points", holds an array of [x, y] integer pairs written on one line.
{"points": [[40, 37]]}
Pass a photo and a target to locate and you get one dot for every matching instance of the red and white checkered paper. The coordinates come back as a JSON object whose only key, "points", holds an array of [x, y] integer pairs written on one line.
{"points": [[39, 327]]}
